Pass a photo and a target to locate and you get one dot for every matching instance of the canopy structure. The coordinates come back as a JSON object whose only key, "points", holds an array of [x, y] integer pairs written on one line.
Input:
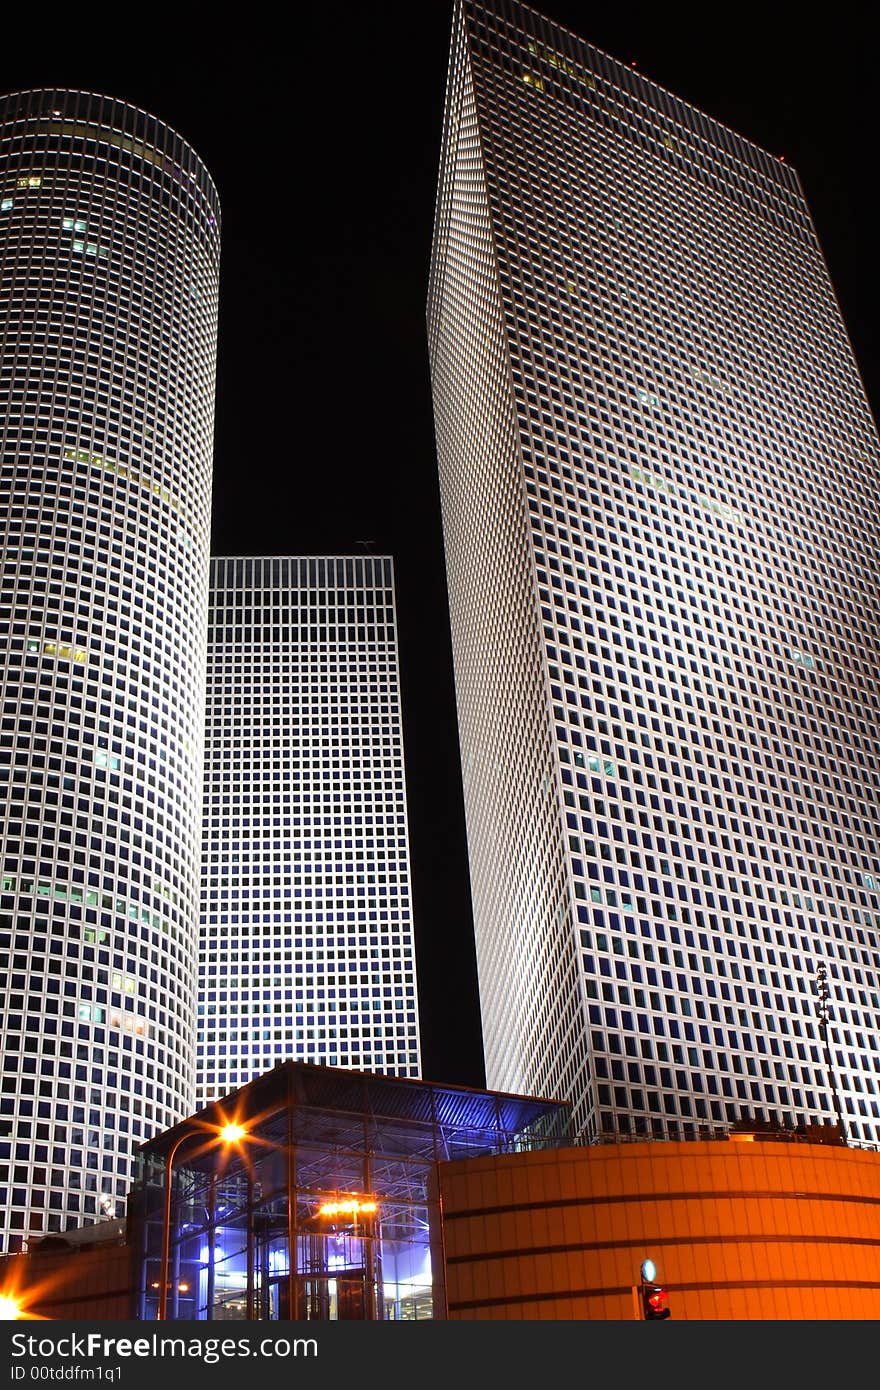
{"points": [[337, 1166]]}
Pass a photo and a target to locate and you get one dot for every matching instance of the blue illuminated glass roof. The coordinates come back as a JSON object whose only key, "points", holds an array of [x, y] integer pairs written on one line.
{"points": [[303, 1103]]}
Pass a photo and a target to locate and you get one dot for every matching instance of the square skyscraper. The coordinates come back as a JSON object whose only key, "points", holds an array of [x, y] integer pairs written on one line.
{"points": [[656, 462], [307, 938]]}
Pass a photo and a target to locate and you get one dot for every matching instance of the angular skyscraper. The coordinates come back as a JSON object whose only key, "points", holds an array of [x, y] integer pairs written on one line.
{"points": [[307, 937], [109, 247], [658, 471]]}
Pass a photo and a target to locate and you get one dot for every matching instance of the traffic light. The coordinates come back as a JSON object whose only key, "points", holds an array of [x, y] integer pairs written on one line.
{"points": [[655, 1301]]}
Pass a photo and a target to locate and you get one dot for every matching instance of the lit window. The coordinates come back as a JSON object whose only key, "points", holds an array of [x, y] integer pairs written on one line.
{"points": [[29, 181], [5, 204], [803, 659], [601, 765], [73, 224], [63, 650]]}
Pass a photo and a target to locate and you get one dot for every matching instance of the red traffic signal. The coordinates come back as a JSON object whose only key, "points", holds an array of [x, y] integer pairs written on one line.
{"points": [[655, 1301]]}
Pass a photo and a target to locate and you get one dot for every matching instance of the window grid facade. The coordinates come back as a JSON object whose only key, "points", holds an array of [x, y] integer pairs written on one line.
{"points": [[108, 299], [657, 473], [307, 941]]}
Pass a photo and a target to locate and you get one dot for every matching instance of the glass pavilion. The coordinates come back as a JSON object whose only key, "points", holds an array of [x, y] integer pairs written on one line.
{"points": [[339, 1167]]}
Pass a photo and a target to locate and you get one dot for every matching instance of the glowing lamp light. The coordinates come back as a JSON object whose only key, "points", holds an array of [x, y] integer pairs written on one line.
{"points": [[353, 1206], [231, 1134], [10, 1308]]}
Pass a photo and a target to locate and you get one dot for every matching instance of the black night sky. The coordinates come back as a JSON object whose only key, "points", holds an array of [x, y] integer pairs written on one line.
{"points": [[321, 127]]}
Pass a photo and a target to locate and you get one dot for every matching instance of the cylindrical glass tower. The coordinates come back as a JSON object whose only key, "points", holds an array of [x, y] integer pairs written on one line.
{"points": [[109, 247]]}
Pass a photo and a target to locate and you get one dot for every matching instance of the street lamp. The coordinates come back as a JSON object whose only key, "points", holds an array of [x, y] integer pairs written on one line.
{"points": [[228, 1134], [824, 1013], [653, 1301], [232, 1134]]}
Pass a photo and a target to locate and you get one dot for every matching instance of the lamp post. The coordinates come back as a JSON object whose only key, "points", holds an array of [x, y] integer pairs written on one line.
{"points": [[229, 1134], [652, 1302], [824, 1013]]}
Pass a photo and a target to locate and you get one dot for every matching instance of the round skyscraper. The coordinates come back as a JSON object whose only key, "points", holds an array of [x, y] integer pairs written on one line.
{"points": [[109, 249]]}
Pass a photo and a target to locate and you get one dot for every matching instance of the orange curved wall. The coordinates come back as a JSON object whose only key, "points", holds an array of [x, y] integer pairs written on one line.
{"points": [[741, 1230]]}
